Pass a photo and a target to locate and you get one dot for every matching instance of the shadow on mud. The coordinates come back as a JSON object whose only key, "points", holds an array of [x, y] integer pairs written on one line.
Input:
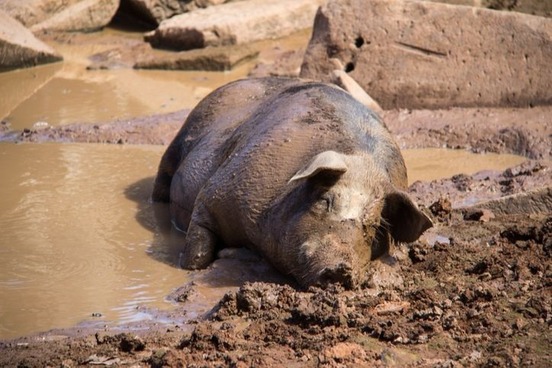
{"points": [[233, 267], [153, 216]]}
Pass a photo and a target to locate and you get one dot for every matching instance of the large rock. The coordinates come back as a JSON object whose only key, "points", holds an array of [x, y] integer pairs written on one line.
{"points": [[61, 15], [221, 58], [538, 201], [535, 7], [235, 23], [20, 48], [155, 11], [427, 55]]}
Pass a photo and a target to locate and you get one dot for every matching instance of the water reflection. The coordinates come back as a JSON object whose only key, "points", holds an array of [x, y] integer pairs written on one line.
{"points": [[67, 92], [70, 245]]}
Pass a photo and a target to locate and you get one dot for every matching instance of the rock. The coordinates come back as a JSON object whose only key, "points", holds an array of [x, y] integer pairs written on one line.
{"points": [[344, 81], [234, 23], [155, 11], [210, 58], [62, 15], [20, 48], [534, 7], [394, 307], [474, 214], [441, 209], [130, 343], [429, 55], [384, 274], [538, 201], [286, 64], [184, 293], [120, 57]]}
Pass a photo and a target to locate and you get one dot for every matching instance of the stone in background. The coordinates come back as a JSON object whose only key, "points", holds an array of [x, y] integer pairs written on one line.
{"points": [[234, 23], [542, 8], [156, 11], [20, 48], [414, 54], [61, 15]]}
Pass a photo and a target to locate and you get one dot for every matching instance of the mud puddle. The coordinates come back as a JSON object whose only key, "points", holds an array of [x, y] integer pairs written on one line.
{"points": [[56, 98], [80, 237], [427, 164], [68, 92]]}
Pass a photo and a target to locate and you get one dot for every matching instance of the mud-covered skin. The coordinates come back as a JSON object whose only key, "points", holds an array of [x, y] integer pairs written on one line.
{"points": [[298, 171]]}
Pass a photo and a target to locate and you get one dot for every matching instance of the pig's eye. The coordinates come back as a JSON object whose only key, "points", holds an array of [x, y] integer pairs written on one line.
{"points": [[325, 203]]}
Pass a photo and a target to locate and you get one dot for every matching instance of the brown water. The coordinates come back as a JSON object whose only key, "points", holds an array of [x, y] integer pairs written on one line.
{"points": [[79, 236], [57, 98], [428, 164], [67, 92]]}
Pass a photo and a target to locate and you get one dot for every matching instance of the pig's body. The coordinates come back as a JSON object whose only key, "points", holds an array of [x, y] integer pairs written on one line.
{"points": [[299, 171]]}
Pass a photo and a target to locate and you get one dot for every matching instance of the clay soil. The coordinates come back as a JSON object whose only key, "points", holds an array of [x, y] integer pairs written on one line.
{"points": [[476, 290]]}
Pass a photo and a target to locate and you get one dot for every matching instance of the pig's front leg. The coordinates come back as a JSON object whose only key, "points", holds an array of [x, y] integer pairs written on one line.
{"points": [[199, 247]]}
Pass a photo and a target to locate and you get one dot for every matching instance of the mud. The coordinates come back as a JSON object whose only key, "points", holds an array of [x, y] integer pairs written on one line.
{"points": [[475, 290], [152, 129]]}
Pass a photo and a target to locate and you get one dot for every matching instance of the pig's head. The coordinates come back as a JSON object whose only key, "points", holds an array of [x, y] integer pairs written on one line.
{"points": [[341, 212]]}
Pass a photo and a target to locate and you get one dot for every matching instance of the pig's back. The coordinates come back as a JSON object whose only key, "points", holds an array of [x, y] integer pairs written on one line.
{"points": [[199, 147], [283, 134]]}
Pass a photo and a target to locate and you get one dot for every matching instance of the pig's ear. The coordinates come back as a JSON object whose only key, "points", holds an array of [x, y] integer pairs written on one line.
{"points": [[327, 162], [406, 221]]}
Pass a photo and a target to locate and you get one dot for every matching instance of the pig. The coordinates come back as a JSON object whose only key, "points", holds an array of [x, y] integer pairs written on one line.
{"points": [[296, 170]]}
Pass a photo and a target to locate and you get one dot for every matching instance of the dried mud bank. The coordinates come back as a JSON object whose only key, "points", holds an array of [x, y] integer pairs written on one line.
{"points": [[523, 131], [475, 290], [153, 129]]}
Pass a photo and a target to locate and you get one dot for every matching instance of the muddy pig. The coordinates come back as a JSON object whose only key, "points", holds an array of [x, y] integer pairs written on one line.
{"points": [[298, 171]]}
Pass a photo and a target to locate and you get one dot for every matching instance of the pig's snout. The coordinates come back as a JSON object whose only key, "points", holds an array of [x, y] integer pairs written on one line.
{"points": [[334, 258], [340, 274]]}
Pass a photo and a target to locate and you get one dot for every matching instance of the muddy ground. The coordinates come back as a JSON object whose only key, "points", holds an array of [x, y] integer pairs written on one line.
{"points": [[475, 290]]}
